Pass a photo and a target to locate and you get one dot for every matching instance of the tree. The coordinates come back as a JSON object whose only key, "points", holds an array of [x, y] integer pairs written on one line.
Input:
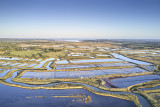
{"points": [[40, 55]]}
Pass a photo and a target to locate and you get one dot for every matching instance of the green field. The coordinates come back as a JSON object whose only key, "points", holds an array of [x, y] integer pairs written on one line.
{"points": [[28, 53]]}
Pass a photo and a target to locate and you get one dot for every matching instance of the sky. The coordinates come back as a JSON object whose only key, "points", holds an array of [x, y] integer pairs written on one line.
{"points": [[101, 19]]}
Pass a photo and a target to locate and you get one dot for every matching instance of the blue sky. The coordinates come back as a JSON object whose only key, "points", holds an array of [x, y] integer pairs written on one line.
{"points": [[109, 19]]}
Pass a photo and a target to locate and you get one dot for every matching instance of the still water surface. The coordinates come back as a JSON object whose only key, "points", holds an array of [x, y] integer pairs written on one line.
{"points": [[16, 97]]}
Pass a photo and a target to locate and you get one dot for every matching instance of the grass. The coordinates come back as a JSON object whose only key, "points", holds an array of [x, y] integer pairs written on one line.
{"points": [[55, 54], [91, 81], [77, 57], [28, 53], [1, 52], [2, 71], [148, 84], [153, 96]]}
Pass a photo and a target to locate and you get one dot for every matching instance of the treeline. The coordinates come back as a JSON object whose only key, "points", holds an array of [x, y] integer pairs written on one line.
{"points": [[51, 50], [148, 45], [138, 43], [97, 40]]}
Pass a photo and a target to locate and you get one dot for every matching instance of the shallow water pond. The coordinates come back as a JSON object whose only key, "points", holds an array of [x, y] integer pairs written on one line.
{"points": [[17, 97], [153, 88], [43, 62], [128, 81], [62, 62], [79, 74], [5, 72], [130, 60], [95, 60]]}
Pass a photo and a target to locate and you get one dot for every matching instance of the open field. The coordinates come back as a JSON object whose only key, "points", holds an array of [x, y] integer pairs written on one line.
{"points": [[28, 53]]}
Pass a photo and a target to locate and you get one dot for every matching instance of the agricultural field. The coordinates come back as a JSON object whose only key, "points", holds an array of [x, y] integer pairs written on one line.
{"points": [[98, 69]]}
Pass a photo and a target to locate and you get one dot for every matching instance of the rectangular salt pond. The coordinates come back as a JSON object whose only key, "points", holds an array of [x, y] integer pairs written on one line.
{"points": [[15, 64], [128, 81], [59, 67], [23, 64], [31, 65], [48, 65], [130, 60], [62, 62], [78, 74], [150, 68], [5, 72], [124, 70], [95, 60], [43, 62], [115, 64], [6, 64], [102, 55]]}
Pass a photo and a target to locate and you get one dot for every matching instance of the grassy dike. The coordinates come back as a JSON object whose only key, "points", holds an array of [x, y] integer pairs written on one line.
{"points": [[148, 84], [77, 86], [145, 93], [33, 81], [151, 100], [154, 102]]}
